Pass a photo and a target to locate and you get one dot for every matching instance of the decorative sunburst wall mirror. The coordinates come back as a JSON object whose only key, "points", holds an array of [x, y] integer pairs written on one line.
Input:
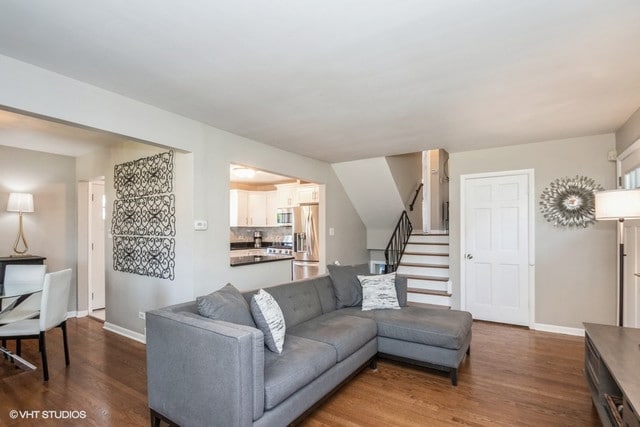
{"points": [[570, 202]]}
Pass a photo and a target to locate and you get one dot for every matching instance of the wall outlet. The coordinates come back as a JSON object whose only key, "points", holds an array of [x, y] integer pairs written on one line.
{"points": [[142, 315], [332, 231]]}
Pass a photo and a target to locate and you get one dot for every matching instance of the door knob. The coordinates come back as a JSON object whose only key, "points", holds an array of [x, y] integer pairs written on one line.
{"points": [[469, 256]]}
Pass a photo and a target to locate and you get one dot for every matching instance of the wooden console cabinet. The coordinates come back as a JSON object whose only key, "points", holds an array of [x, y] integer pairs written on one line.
{"points": [[612, 370]]}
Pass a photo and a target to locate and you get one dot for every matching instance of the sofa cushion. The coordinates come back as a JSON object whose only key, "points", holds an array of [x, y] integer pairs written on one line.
{"points": [[269, 319], [379, 292], [299, 301], [345, 333], [346, 284], [327, 296], [301, 361], [226, 304], [432, 326], [401, 290]]}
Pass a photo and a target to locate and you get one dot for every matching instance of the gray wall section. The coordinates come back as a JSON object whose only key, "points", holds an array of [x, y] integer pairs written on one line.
{"points": [[575, 273], [50, 230], [203, 179], [628, 133]]}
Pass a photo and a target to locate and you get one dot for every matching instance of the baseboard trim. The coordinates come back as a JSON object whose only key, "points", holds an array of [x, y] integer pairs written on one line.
{"points": [[136, 336], [558, 329], [83, 313]]}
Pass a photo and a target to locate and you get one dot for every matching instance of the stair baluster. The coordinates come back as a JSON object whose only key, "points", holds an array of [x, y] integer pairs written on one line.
{"points": [[397, 243]]}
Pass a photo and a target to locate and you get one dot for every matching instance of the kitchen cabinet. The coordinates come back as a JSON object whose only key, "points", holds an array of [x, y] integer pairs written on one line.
{"points": [[272, 209], [287, 195], [308, 193], [252, 208], [257, 208], [238, 208]]}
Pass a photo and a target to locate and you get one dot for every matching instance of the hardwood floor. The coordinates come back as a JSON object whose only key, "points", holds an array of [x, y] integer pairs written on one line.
{"points": [[513, 377]]}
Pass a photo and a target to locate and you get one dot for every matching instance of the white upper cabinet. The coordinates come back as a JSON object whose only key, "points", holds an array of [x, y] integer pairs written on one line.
{"points": [[308, 193], [238, 208], [253, 208], [287, 195]]}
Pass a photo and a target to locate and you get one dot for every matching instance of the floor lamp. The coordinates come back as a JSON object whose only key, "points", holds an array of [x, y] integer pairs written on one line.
{"points": [[618, 205]]}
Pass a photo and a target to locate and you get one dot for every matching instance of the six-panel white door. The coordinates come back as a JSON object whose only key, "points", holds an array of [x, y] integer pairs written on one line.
{"points": [[496, 248]]}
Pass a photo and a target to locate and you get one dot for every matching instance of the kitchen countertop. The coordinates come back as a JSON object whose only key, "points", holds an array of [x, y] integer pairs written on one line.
{"points": [[257, 259]]}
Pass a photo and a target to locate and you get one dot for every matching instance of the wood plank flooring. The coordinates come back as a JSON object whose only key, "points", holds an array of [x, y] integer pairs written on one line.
{"points": [[514, 377]]}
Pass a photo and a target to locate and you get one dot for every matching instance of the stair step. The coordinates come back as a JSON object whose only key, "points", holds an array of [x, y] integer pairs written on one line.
{"points": [[426, 253], [410, 258], [426, 305], [431, 285], [418, 277], [420, 264], [441, 300], [429, 238], [424, 248], [428, 292], [423, 270], [428, 243]]}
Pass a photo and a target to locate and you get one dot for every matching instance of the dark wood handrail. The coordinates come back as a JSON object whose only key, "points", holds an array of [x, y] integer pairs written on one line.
{"points": [[413, 202], [398, 242]]}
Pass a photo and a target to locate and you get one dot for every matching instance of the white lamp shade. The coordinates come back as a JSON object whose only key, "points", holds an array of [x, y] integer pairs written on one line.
{"points": [[20, 202], [617, 204]]}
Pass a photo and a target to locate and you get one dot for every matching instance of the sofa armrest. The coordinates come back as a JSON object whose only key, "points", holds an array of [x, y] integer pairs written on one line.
{"points": [[202, 372]]}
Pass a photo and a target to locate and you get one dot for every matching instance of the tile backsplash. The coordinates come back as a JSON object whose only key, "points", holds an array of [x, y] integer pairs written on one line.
{"points": [[269, 234]]}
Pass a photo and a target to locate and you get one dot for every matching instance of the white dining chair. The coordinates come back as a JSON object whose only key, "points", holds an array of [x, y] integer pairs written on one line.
{"points": [[16, 278], [53, 313]]}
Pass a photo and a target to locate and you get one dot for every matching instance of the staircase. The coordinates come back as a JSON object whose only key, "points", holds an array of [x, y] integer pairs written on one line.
{"points": [[425, 264]]}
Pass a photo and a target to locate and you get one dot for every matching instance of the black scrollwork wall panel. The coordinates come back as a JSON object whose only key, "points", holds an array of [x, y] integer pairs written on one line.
{"points": [[147, 256], [145, 216], [142, 177]]}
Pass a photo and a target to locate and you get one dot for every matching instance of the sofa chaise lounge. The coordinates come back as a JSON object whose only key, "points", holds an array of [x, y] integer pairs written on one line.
{"points": [[206, 372]]}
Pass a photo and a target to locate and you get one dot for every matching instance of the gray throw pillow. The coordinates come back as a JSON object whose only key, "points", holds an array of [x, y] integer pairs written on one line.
{"points": [[346, 284], [379, 292], [226, 304], [270, 320]]}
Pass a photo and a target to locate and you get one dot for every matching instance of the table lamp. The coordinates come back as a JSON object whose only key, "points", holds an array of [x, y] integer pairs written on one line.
{"points": [[21, 203], [618, 205]]}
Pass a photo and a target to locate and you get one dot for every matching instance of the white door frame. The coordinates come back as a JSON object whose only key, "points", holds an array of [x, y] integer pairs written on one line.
{"points": [[91, 254], [629, 288], [530, 173]]}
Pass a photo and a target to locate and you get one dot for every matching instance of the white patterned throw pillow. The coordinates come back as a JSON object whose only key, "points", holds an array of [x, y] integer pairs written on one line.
{"points": [[269, 319], [379, 291]]}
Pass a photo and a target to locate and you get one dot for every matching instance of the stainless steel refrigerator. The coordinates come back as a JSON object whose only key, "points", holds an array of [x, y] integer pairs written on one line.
{"points": [[306, 232]]}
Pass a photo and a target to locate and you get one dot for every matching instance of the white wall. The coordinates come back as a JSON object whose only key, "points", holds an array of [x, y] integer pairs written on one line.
{"points": [[50, 230], [204, 255], [629, 132], [367, 177], [406, 170], [575, 273]]}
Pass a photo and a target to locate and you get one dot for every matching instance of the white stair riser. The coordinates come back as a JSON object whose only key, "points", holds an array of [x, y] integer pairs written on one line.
{"points": [[425, 249], [432, 285], [430, 299], [423, 271], [428, 239], [426, 259]]}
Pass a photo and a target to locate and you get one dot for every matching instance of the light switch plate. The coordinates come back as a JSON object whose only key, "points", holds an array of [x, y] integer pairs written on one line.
{"points": [[200, 225]]}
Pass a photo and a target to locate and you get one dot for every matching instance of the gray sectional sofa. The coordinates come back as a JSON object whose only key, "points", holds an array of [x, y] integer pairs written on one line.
{"points": [[206, 372]]}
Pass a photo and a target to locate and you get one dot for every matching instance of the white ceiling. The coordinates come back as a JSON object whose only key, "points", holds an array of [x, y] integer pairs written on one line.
{"points": [[340, 80]]}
